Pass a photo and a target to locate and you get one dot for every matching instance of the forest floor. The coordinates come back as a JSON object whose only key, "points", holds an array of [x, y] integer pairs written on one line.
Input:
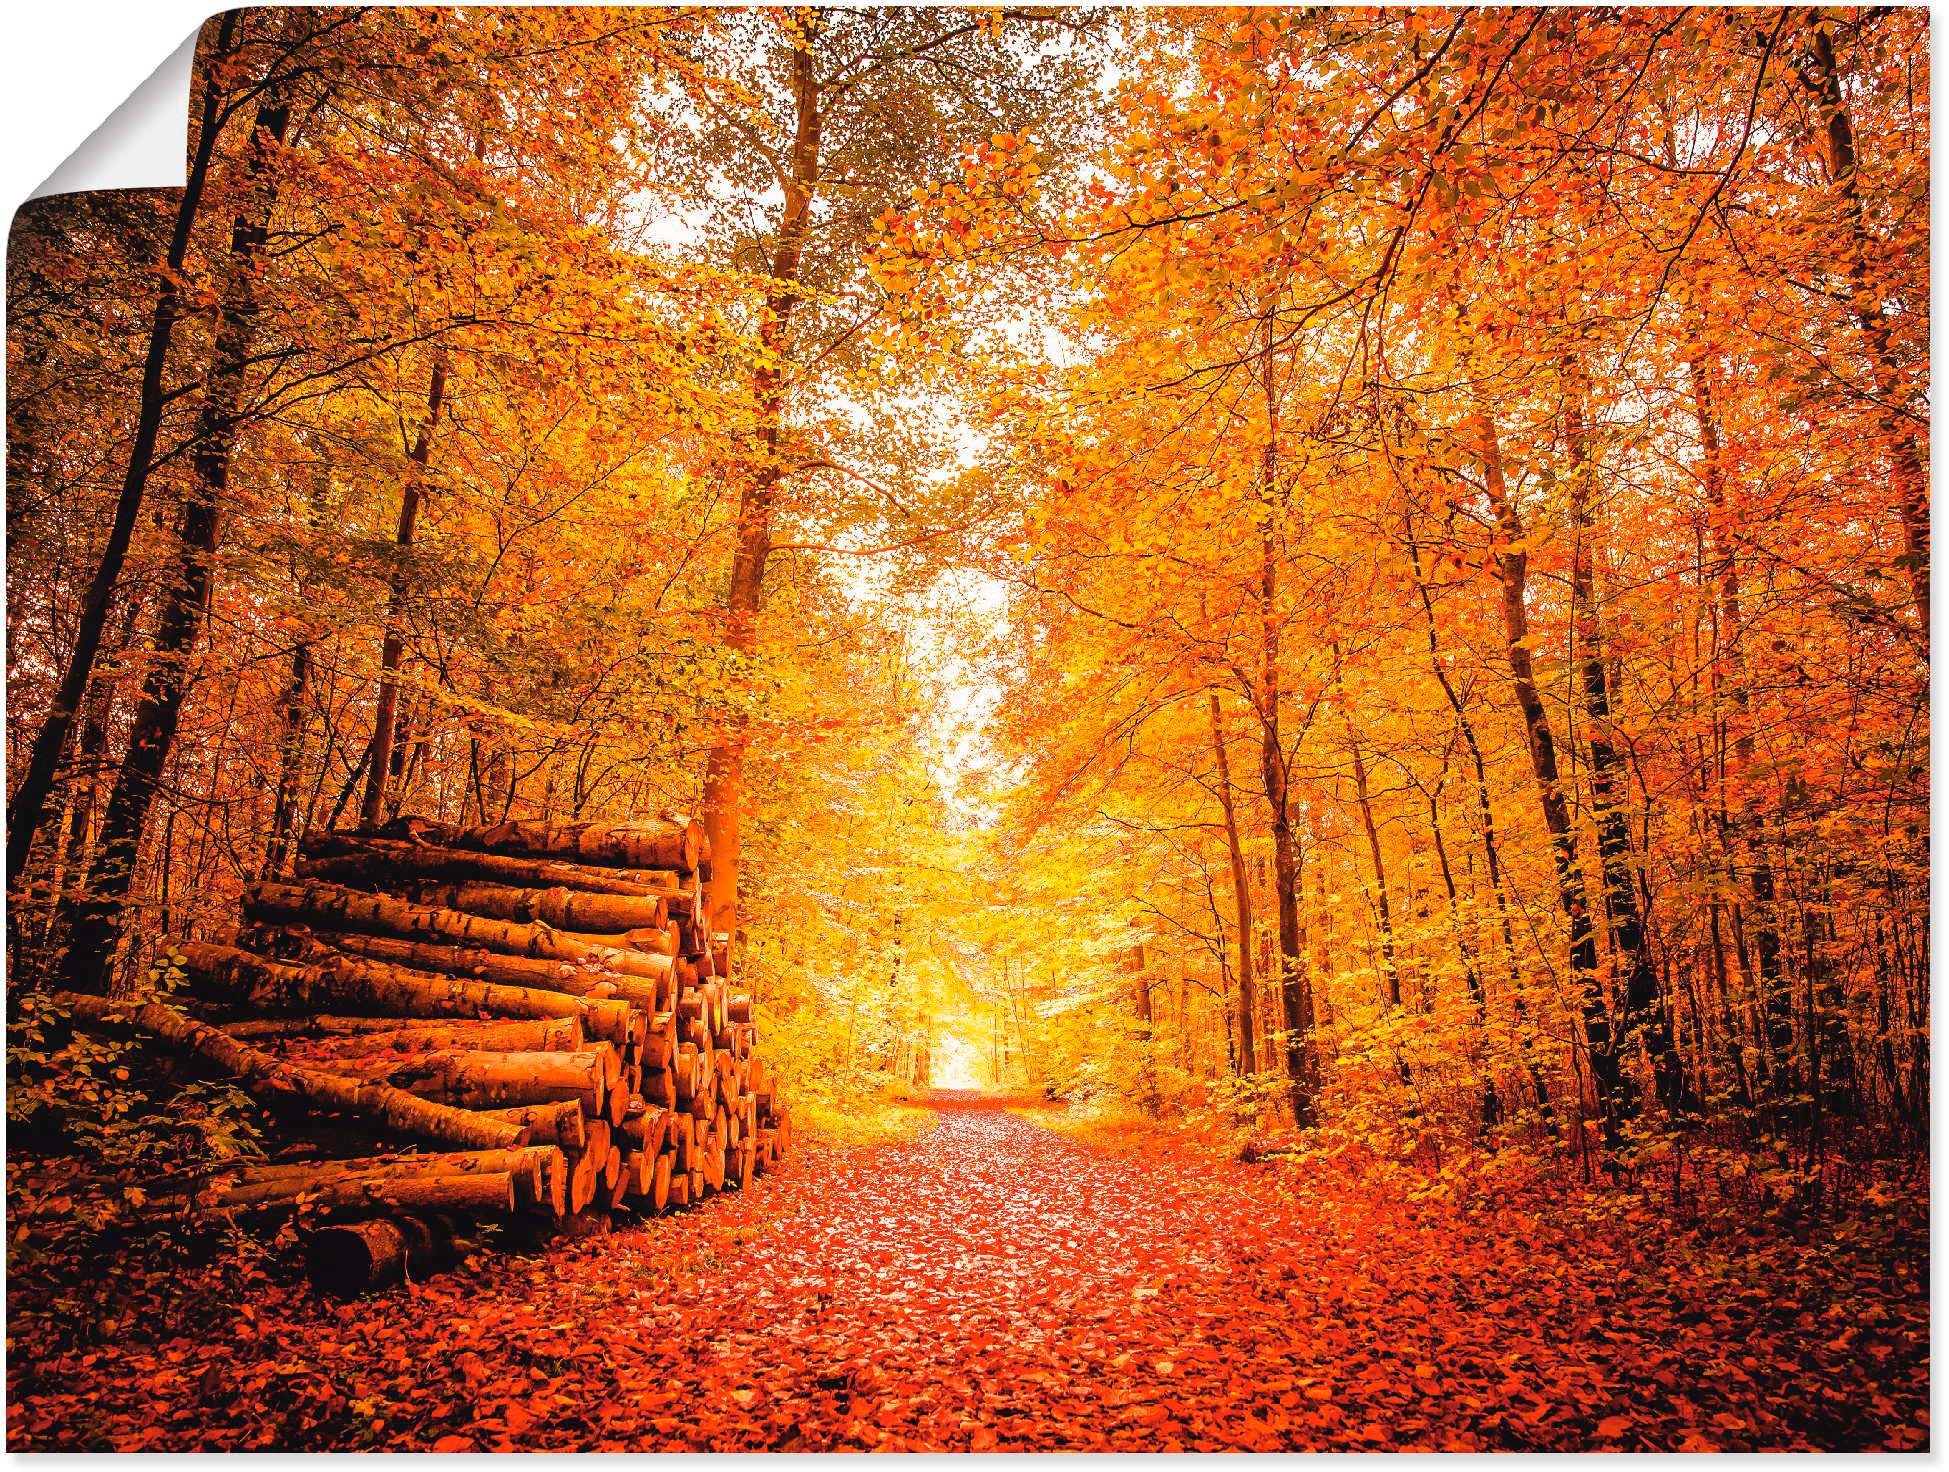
{"points": [[996, 1285]]}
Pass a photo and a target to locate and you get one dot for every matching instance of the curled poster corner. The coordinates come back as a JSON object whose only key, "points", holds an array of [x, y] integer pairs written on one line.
{"points": [[142, 144]]}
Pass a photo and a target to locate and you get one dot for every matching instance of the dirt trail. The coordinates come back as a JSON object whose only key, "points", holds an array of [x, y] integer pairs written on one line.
{"points": [[996, 1285]]}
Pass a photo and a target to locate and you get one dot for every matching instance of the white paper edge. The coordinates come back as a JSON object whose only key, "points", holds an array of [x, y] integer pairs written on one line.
{"points": [[143, 144]]}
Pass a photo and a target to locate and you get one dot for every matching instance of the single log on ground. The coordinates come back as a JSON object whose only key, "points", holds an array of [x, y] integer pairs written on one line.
{"points": [[559, 1123], [349, 1258], [604, 990], [382, 863], [266, 1074], [334, 907]]}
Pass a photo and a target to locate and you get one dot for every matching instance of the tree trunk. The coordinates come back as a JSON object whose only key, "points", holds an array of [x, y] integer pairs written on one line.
{"points": [[291, 756], [1295, 988], [1512, 572], [724, 780], [265, 1074], [96, 929], [1776, 1005], [1248, 992], [393, 646], [1642, 1015], [27, 807], [1383, 909], [1905, 451]]}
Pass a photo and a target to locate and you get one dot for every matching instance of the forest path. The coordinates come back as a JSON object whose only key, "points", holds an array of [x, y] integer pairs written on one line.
{"points": [[995, 1284]]}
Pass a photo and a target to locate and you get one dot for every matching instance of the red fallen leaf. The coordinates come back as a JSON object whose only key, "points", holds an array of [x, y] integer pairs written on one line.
{"points": [[982, 1440], [451, 1444], [1613, 1426]]}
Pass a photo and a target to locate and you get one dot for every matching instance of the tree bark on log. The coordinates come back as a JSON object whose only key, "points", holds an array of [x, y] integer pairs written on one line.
{"points": [[560, 1123], [351, 1035], [264, 1073], [347, 981], [510, 973], [459, 1192], [475, 1080], [537, 1170], [334, 907], [349, 1258], [361, 859], [626, 917], [663, 843]]}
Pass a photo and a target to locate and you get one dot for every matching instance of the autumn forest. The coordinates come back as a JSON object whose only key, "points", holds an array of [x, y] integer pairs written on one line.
{"points": [[844, 728]]}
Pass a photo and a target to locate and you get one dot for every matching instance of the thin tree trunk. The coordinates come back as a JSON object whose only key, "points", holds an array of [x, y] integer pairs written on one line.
{"points": [[1295, 989], [29, 802], [1904, 447], [1390, 967], [1512, 571], [1643, 1011], [1745, 820], [1248, 992], [291, 758], [95, 935], [393, 647], [724, 779]]}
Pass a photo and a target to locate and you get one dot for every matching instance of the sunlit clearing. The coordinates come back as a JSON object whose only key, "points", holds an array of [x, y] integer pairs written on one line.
{"points": [[957, 1064]]}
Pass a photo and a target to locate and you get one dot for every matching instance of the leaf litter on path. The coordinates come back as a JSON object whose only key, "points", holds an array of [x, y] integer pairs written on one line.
{"points": [[996, 1286]]}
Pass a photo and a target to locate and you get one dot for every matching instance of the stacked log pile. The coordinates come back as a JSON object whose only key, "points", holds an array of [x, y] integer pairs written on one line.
{"points": [[543, 1004]]}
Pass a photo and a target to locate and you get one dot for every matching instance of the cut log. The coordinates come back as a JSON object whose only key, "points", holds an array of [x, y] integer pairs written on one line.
{"points": [[563, 908], [456, 1191], [349, 1258], [677, 1193], [539, 1035], [660, 1182], [478, 1080], [333, 907], [647, 1128], [559, 1123], [383, 863], [336, 980], [593, 983], [672, 843], [266, 1074], [536, 1169], [583, 1181], [659, 1086], [740, 1008]]}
